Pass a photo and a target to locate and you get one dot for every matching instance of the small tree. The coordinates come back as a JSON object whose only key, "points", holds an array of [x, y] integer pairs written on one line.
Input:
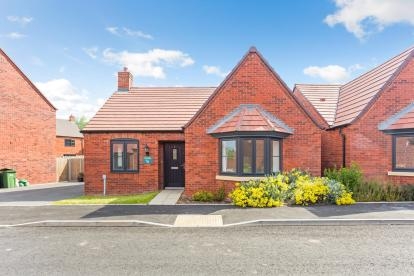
{"points": [[81, 122]]}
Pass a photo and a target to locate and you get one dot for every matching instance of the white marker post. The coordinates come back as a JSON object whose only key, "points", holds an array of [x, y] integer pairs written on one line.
{"points": [[104, 183]]}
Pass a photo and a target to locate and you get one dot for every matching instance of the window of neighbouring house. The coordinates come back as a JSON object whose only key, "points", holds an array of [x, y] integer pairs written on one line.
{"points": [[250, 156], [403, 152], [124, 155], [69, 142]]}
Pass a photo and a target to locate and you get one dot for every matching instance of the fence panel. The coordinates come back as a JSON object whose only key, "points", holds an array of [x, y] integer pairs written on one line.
{"points": [[68, 168]]}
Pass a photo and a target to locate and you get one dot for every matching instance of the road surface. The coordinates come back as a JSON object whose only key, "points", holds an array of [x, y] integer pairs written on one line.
{"points": [[272, 250]]}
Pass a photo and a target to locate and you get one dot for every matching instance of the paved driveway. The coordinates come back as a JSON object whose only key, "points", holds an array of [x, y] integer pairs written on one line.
{"points": [[42, 194]]}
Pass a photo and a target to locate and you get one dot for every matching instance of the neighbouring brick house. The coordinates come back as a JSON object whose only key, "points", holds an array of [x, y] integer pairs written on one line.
{"points": [[369, 120], [27, 126], [69, 139], [252, 125]]}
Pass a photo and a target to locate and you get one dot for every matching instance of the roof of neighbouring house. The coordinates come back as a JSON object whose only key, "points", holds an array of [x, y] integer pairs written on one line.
{"points": [[66, 128], [356, 96], [149, 109], [404, 119], [249, 118], [323, 97], [20, 72]]}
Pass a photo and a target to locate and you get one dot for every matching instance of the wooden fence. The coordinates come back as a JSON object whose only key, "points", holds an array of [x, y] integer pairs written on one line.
{"points": [[68, 168]]}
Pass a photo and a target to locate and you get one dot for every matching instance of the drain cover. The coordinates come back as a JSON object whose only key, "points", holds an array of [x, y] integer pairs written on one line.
{"points": [[198, 221]]}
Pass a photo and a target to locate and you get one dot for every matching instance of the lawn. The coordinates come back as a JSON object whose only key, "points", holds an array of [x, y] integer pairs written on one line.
{"points": [[101, 199]]}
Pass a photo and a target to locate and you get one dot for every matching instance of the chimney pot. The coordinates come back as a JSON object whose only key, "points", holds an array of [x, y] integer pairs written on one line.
{"points": [[72, 118]]}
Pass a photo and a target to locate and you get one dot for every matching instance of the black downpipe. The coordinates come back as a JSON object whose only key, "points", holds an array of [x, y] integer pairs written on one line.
{"points": [[343, 148]]}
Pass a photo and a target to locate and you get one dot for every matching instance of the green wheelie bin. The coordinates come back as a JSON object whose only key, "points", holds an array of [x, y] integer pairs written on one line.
{"points": [[8, 178]]}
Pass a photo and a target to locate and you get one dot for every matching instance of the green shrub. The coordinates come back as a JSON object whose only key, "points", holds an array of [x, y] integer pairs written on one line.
{"points": [[220, 195], [376, 191], [350, 177], [203, 196]]}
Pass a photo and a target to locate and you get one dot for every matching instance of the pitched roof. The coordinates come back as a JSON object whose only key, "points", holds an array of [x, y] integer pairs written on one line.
{"points": [[252, 51], [323, 97], [66, 128], [249, 117], [20, 72], [356, 96], [149, 109], [404, 119]]}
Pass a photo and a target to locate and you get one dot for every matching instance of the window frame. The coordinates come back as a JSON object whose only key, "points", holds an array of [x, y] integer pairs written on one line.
{"points": [[239, 155], [394, 153], [124, 143], [71, 143]]}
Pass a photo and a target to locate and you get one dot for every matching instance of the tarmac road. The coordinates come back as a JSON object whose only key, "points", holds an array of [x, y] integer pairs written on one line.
{"points": [[311, 250]]}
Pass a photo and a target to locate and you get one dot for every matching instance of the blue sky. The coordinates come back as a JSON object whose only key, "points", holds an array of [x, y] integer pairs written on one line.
{"points": [[72, 49]]}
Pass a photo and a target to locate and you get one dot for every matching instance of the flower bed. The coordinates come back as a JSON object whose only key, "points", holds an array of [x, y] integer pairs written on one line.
{"points": [[294, 187]]}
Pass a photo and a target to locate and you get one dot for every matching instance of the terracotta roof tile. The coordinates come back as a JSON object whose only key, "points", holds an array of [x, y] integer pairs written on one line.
{"points": [[249, 117], [149, 109], [356, 95], [324, 97]]}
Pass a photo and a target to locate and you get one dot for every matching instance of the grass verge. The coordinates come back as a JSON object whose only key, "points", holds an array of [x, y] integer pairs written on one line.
{"points": [[113, 199]]}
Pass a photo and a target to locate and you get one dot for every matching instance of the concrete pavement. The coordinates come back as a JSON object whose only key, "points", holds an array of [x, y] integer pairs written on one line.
{"points": [[167, 197], [263, 250], [121, 215]]}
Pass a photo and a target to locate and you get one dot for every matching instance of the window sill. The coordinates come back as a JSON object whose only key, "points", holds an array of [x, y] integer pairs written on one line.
{"points": [[238, 178], [401, 173]]}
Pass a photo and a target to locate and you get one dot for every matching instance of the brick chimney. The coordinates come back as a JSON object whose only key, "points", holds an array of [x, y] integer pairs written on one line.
{"points": [[72, 118], [125, 80]]}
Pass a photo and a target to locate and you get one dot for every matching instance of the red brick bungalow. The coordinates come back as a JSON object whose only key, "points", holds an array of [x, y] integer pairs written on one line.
{"points": [[369, 120], [200, 138], [27, 126]]}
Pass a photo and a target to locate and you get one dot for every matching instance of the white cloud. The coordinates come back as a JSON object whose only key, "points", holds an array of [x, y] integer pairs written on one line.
{"points": [[332, 73], [15, 35], [92, 51], [128, 32], [148, 64], [362, 17], [214, 70], [137, 33], [68, 99], [23, 20], [112, 30]]}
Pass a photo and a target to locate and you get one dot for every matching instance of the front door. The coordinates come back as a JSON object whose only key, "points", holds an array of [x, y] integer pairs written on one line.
{"points": [[174, 164]]}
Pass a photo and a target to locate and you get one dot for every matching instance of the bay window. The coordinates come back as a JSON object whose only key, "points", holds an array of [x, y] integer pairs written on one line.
{"points": [[250, 156]]}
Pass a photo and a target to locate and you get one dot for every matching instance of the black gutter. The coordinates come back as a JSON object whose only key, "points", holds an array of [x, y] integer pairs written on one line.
{"points": [[343, 147]]}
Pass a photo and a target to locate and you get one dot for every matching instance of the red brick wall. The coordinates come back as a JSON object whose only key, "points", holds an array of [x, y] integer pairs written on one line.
{"points": [[331, 149], [62, 150], [252, 83], [371, 148], [27, 127], [97, 163]]}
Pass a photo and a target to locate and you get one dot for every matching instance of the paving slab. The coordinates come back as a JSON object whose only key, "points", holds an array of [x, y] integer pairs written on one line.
{"points": [[198, 221], [167, 197]]}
